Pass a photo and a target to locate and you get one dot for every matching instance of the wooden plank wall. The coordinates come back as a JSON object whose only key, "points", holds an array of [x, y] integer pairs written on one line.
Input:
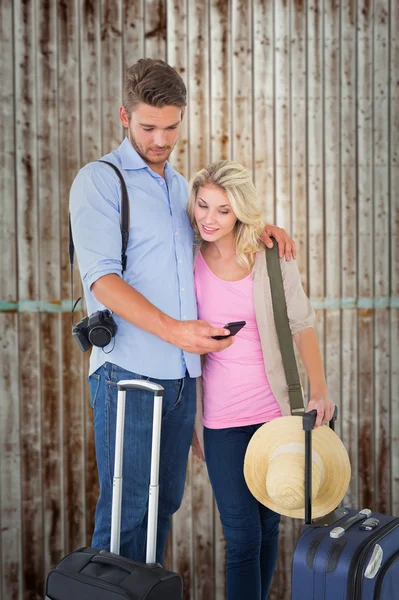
{"points": [[306, 95]]}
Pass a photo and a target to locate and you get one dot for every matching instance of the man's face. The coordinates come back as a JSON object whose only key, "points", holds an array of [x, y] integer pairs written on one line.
{"points": [[153, 132]]}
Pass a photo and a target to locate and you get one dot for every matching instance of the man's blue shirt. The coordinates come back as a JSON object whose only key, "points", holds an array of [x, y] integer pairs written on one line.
{"points": [[159, 256]]}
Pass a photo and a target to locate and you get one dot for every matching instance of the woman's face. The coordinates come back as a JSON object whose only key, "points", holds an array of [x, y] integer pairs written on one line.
{"points": [[213, 214]]}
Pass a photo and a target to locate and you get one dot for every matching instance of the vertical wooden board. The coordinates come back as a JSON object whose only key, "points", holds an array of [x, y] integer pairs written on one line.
{"points": [[155, 29], [28, 293], [220, 556], [10, 460], [132, 32], [220, 80], [182, 538], [282, 579], [332, 265], [72, 414], [90, 73], [49, 273], [394, 250], [298, 146], [111, 73], [91, 127], [176, 50], [180, 542], [315, 172], [381, 257], [10, 450], [264, 106], [241, 82], [282, 115], [299, 161], [349, 416], [365, 256], [198, 115], [221, 142]]}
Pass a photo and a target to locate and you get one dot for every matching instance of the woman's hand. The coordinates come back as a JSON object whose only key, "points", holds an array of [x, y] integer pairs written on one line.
{"points": [[196, 448], [324, 406]]}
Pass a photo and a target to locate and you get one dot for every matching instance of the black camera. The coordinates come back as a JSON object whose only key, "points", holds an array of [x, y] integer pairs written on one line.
{"points": [[96, 330]]}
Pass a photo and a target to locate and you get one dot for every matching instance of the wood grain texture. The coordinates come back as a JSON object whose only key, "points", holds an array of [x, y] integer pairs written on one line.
{"points": [[179, 551], [72, 416], [381, 359], [348, 192], [394, 251], [264, 107], [155, 28], [11, 563], [332, 213], [241, 82], [112, 76], [365, 121], [283, 214], [50, 284], [176, 50], [26, 131], [81, 413], [199, 127]]}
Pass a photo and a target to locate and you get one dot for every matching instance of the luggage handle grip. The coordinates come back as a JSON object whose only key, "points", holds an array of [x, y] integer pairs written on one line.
{"points": [[149, 386], [308, 423], [309, 419], [105, 558], [140, 384]]}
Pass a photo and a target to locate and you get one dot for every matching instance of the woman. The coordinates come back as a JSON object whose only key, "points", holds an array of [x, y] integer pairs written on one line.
{"points": [[244, 386]]}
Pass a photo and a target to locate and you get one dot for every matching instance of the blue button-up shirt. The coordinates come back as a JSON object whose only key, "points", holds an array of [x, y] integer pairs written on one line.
{"points": [[159, 256]]}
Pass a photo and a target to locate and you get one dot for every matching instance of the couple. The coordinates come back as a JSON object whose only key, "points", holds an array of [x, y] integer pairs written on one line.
{"points": [[160, 338]]}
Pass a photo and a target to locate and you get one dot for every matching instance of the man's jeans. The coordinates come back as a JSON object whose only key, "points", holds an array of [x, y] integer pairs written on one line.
{"points": [[251, 530], [178, 413]]}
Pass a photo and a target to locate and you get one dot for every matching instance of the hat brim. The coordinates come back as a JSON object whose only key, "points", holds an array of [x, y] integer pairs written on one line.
{"points": [[337, 469]]}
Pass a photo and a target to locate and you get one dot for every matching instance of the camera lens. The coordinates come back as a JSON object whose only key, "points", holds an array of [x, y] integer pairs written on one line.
{"points": [[100, 336]]}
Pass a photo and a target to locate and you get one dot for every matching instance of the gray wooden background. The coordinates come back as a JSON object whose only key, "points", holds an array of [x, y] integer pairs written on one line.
{"points": [[305, 94]]}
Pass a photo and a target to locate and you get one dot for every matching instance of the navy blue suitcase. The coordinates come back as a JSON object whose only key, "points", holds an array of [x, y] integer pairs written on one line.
{"points": [[346, 555]]}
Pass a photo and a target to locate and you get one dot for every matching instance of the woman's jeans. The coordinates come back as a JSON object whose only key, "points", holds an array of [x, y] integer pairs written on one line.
{"points": [[178, 413], [251, 530]]}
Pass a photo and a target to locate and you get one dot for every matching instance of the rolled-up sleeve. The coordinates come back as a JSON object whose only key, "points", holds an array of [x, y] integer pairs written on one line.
{"points": [[299, 309], [95, 220]]}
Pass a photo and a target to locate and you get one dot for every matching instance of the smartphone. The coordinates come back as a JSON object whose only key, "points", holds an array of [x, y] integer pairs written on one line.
{"points": [[232, 327]]}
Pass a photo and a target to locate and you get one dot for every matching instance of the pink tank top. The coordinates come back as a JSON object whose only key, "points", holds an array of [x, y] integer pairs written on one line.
{"points": [[236, 389]]}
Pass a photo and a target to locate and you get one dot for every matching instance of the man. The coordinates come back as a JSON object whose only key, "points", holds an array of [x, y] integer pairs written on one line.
{"points": [[153, 301]]}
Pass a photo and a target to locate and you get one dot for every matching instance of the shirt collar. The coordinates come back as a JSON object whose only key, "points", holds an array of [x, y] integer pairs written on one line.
{"points": [[131, 159]]}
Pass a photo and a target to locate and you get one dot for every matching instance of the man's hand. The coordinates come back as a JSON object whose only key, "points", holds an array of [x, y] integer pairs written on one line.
{"points": [[196, 448], [196, 337], [285, 244], [324, 406]]}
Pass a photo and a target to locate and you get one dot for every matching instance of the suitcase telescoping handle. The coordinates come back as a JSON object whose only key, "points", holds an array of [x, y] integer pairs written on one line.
{"points": [[123, 386], [309, 421]]}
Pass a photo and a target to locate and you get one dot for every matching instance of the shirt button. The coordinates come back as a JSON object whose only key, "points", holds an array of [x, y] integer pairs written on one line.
{"points": [[177, 233], [180, 261], [182, 289], [184, 318], [161, 182]]}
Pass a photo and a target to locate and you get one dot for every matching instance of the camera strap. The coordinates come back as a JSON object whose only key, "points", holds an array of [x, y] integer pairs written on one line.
{"points": [[124, 223]]}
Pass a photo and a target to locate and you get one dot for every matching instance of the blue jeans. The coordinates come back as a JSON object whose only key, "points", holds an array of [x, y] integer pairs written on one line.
{"points": [[251, 530], [178, 413]]}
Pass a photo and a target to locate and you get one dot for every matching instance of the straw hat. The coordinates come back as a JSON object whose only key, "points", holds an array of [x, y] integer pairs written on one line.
{"points": [[274, 468]]}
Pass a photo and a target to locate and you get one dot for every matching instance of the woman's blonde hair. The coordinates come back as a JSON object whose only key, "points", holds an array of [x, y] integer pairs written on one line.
{"points": [[234, 180]]}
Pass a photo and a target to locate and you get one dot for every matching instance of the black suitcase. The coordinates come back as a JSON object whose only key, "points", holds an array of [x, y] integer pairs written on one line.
{"points": [[90, 574]]}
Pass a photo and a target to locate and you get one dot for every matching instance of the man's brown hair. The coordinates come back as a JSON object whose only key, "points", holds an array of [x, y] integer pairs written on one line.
{"points": [[155, 83]]}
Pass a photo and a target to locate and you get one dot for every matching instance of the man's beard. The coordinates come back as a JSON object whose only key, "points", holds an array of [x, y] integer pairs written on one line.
{"points": [[150, 159]]}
